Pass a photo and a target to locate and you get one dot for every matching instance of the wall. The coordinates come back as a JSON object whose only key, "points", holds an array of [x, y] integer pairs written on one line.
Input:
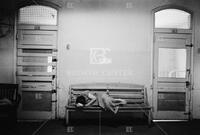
{"points": [[7, 45], [6, 59], [124, 28], [196, 84], [103, 25]]}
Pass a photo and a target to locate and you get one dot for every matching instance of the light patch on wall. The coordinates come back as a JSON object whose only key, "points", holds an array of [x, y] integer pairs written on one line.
{"points": [[99, 56]]}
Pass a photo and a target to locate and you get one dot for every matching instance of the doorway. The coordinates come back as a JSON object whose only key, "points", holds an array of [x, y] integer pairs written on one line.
{"points": [[172, 65], [36, 61]]}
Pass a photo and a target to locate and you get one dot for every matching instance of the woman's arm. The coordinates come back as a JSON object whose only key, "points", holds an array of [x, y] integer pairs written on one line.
{"points": [[93, 99]]}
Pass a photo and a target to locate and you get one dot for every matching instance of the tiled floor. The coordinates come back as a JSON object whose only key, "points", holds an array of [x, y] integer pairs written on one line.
{"points": [[106, 127]]}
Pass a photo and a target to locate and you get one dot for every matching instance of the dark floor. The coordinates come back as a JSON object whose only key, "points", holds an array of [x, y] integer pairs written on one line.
{"points": [[103, 127], [20, 128]]}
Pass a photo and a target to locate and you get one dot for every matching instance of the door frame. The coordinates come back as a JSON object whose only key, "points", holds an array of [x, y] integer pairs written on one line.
{"points": [[55, 111], [171, 31]]}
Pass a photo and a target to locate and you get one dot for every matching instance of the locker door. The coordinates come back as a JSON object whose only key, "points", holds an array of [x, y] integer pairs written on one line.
{"points": [[36, 72]]}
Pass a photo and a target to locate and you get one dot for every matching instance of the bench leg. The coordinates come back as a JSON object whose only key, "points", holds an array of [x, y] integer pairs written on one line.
{"points": [[67, 116], [149, 118], [99, 122]]}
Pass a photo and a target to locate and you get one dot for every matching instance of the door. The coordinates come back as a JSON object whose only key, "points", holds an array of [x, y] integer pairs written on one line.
{"points": [[172, 75], [36, 71]]}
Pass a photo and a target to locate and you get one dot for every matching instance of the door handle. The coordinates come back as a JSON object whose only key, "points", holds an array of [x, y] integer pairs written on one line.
{"points": [[187, 113], [187, 84], [54, 60]]}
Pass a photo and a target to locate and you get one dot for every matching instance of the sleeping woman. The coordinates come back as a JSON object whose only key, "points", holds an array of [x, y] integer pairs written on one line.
{"points": [[105, 101], [85, 99]]}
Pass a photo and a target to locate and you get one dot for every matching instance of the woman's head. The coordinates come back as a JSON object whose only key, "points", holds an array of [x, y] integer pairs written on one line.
{"points": [[80, 101]]}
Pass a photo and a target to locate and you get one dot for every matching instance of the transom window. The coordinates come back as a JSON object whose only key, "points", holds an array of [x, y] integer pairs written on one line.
{"points": [[37, 14], [173, 18]]}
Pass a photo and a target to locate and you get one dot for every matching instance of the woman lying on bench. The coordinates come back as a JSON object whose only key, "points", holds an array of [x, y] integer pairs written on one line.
{"points": [[105, 101]]}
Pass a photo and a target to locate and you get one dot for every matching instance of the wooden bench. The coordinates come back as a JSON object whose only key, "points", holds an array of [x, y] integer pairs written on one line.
{"points": [[9, 92], [135, 95]]}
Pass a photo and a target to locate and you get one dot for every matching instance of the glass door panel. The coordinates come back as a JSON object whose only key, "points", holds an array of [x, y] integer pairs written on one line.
{"points": [[172, 63]]}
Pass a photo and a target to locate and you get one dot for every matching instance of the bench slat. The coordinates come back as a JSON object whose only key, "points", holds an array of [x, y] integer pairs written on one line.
{"points": [[111, 90], [106, 86], [127, 96], [120, 108]]}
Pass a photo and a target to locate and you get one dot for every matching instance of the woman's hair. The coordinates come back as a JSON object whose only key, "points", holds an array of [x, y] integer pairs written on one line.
{"points": [[81, 99]]}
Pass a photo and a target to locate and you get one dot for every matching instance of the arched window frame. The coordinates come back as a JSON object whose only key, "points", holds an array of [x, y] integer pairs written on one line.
{"points": [[37, 3], [173, 30]]}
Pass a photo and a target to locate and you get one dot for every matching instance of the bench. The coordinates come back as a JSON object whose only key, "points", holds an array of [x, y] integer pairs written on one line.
{"points": [[135, 95], [10, 99]]}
